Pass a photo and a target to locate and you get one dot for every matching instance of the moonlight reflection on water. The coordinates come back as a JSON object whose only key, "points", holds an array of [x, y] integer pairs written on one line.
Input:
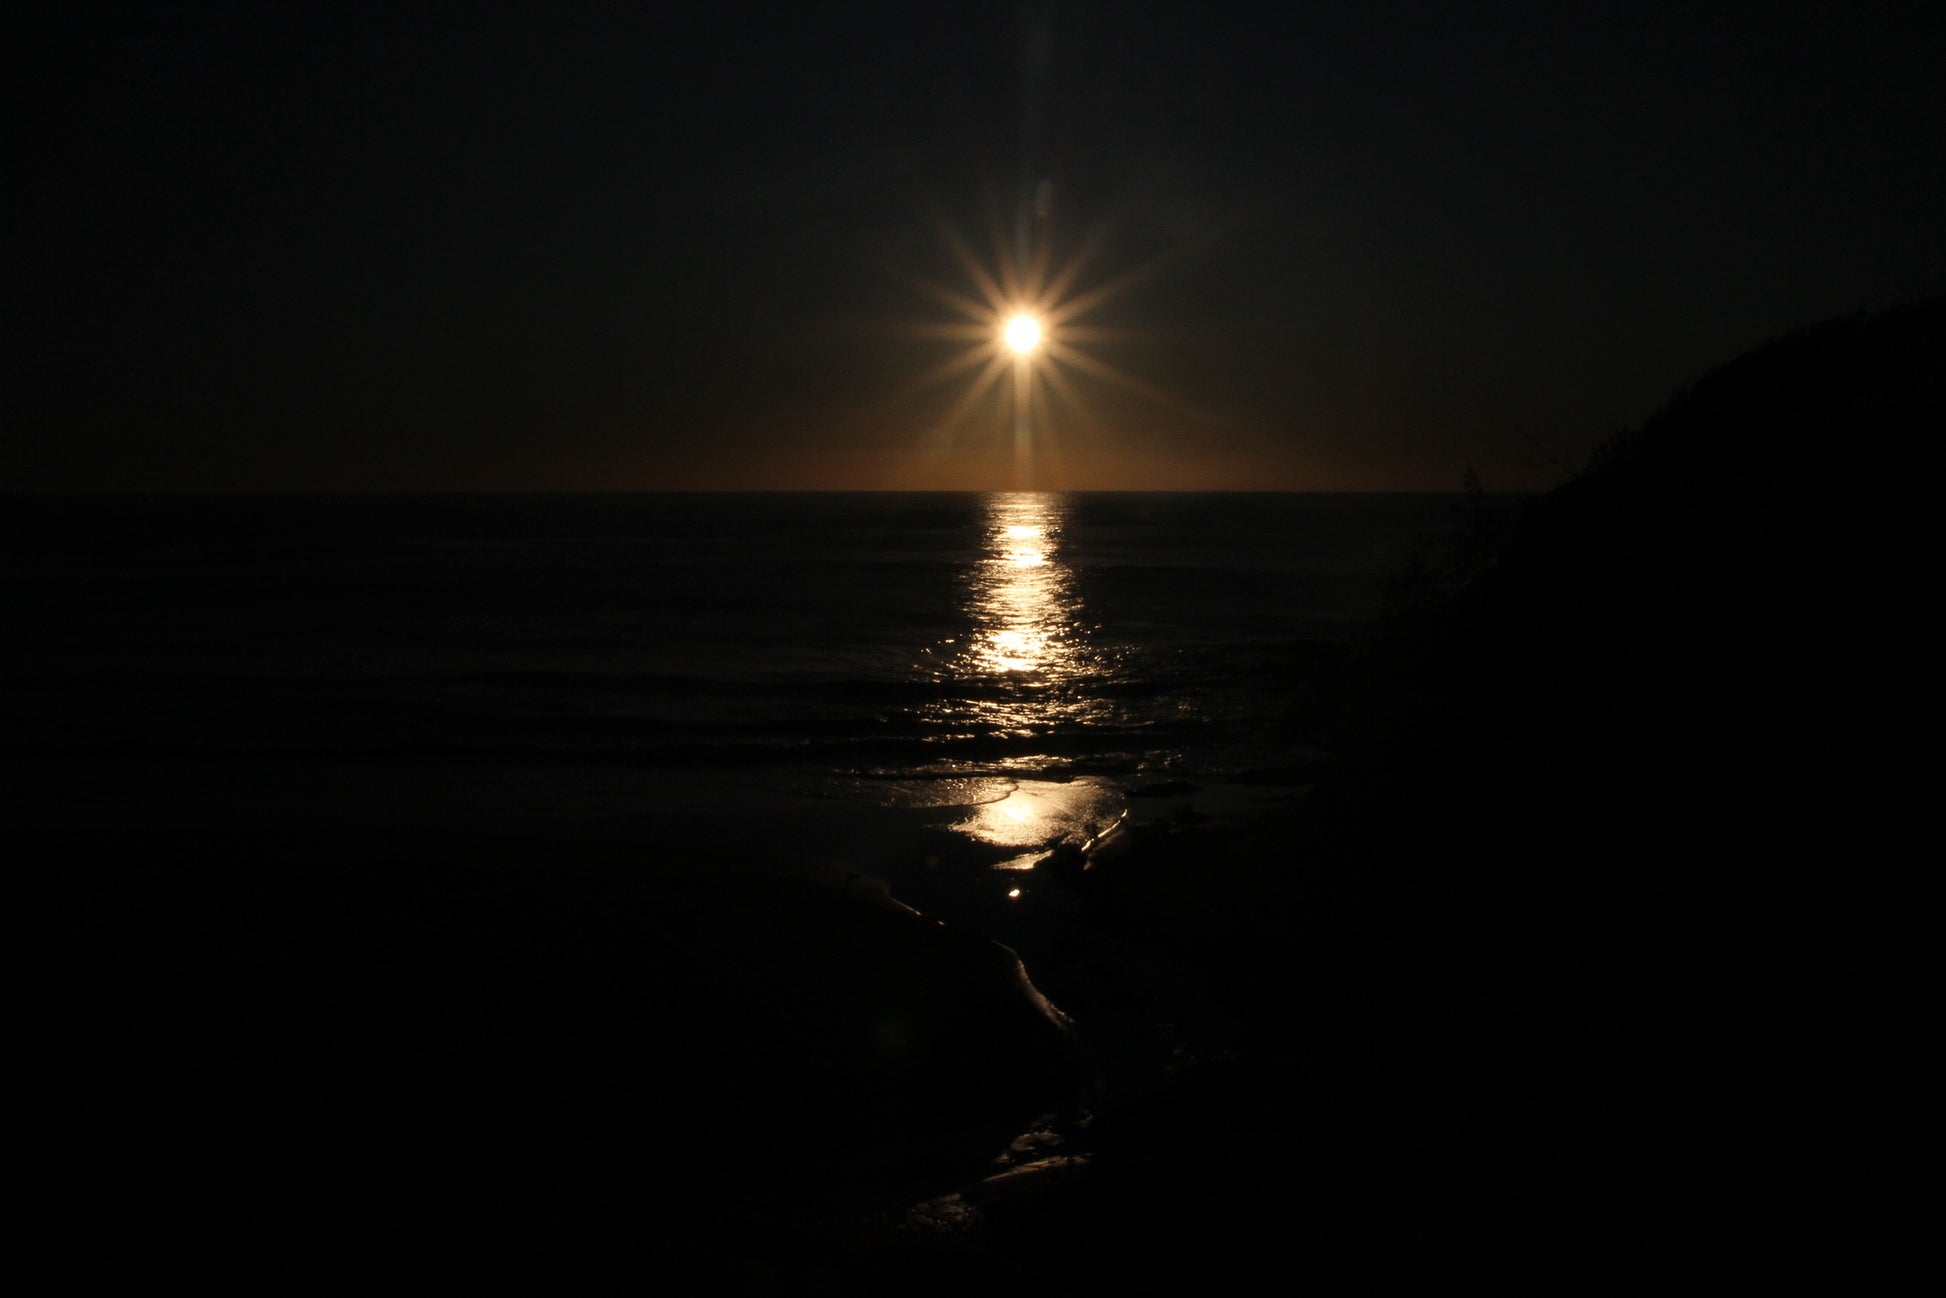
{"points": [[1036, 814], [1022, 603], [1027, 666]]}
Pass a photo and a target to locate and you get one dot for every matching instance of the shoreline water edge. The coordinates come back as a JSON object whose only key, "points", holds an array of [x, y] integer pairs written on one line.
{"points": [[616, 783]]}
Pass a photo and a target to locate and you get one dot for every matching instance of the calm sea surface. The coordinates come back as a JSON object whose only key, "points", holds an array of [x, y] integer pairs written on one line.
{"points": [[828, 674]]}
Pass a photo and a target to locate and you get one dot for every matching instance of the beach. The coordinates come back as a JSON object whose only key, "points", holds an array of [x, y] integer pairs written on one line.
{"points": [[307, 1058]]}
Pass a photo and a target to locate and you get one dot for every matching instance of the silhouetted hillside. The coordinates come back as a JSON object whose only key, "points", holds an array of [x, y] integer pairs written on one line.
{"points": [[1722, 610], [1631, 862]]}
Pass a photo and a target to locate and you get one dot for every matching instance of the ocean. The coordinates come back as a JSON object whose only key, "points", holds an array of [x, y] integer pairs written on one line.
{"points": [[454, 863], [871, 682]]}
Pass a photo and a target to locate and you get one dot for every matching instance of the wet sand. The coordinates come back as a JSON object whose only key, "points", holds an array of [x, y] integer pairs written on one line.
{"points": [[294, 1054], [303, 1057], [353, 1052]]}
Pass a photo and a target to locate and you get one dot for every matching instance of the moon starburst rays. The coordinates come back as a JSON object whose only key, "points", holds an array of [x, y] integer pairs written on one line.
{"points": [[1024, 313]]}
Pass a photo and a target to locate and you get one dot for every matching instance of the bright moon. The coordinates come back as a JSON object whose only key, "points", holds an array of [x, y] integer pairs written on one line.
{"points": [[1023, 333]]}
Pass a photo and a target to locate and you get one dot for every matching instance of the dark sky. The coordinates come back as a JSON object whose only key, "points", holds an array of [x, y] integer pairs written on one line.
{"points": [[598, 246]]}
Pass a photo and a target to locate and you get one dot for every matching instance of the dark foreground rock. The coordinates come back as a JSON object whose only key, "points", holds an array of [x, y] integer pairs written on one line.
{"points": [[301, 1065]]}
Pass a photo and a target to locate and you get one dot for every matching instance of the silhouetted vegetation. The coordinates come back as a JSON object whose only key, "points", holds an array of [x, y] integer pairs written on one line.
{"points": [[1435, 572]]}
